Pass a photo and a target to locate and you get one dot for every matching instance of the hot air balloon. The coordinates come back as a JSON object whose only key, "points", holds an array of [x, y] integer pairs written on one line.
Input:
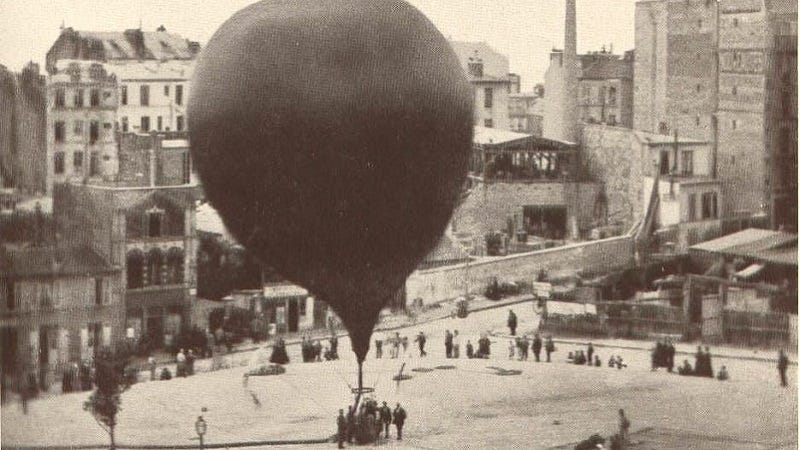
{"points": [[333, 137]]}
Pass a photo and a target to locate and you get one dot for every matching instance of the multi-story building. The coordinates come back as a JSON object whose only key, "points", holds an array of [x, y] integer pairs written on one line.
{"points": [[487, 71], [81, 119], [605, 88], [144, 223], [710, 70], [58, 306], [153, 70], [23, 148], [525, 112]]}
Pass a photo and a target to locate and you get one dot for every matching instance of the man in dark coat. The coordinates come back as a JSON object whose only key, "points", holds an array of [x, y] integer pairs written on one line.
{"points": [[709, 367], [334, 341], [512, 322], [386, 418], [399, 416], [448, 344], [549, 347], [670, 356], [589, 353], [699, 362], [350, 426], [536, 346], [783, 363], [421, 339], [341, 428]]}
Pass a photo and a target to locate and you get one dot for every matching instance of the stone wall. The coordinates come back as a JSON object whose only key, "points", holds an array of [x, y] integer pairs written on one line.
{"points": [[614, 158], [436, 285]]}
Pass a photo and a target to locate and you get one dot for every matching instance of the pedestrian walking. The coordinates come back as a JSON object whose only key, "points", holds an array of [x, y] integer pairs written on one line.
{"points": [[549, 347], [386, 418], [448, 344], [512, 322], [589, 353], [420, 340], [396, 345], [399, 416], [181, 367], [341, 428], [536, 346], [470, 350], [783, 363], [525, 344], [456, 344]]}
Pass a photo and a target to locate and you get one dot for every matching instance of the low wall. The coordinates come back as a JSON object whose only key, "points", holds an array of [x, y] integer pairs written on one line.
{"points": [[445, 283]]}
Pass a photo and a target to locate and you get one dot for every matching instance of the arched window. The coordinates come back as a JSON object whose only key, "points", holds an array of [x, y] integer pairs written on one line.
{"points": [[174, 266], [154, 261], [135, 268]]}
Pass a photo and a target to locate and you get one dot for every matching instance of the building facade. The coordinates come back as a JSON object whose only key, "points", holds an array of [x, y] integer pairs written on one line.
{"points": [[144, 223], [704, 69], [525, 113], [605, 88], [487, 71], [58, 306], [81, 120]]}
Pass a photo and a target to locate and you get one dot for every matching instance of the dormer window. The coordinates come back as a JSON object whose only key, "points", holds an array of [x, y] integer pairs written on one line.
{"points": [[475, 66]]}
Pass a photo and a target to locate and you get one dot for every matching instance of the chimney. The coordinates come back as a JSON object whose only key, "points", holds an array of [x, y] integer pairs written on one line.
{"points": [[570, 31]]}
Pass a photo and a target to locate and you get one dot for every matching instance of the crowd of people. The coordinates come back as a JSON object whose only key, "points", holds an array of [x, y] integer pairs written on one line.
{"points": [[366, 424], [663, 355]]}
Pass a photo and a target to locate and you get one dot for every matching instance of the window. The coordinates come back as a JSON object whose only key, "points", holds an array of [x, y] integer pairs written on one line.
{"points": [[488, 123], [77, 128], [733, 124], [94, 131], [144, 95], [77, 161], [692, 208], [78, 99], [179, 123], [612, 96], [697, 120], [475, 69], [664, 163], [94, 97], [687, 162], [733, 90], [124, 121], [154, 219], [601, 95], [58, 163], [124, 95], [709, 205], [697, 88], [60, 98], [155, 260], [11, 301], [612, 119], [187, 168], [59, 131], [145, 124], [94, 164], [699, 23], [179, 94], [587, 92], [159, 123], [98, 291], [488, 99], [135, 269], [166, 90], [735, 22]]}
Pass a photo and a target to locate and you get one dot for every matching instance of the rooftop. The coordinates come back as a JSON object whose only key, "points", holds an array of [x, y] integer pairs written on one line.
{"points": [[662, 139], [52, 261], [762, 245], [484, 135]]}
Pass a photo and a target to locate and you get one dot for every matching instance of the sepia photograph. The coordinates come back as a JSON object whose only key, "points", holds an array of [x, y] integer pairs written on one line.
{"points": [[408, 224]]}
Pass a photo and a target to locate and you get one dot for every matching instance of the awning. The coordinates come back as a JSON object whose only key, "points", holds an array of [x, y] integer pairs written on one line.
{"points": [[749, 271]]}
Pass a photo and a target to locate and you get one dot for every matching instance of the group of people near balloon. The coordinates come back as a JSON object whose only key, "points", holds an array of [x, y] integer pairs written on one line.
{"points": [[702, 366], [522, 344], [313, 351], [364, 424]]}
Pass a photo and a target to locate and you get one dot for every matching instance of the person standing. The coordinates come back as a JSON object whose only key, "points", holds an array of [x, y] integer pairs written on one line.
{"points": [[709, 367], [190, 363], [470, 350], [421, 339], [456, 344], [624, 426], [783, 363], [511, 346], [670, 356], [351, 424], [549, 347], [386, 418], [181, 360], [448, 344], [151, 364], [399, 420], [334, 343], [341, 428], [395, 345], [525, 344], [536, 346], [512, 322], [378, 348], [589, 353]]}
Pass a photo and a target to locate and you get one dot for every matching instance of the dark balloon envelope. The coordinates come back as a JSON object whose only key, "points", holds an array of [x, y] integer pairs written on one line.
{"points": [[333, 137]]}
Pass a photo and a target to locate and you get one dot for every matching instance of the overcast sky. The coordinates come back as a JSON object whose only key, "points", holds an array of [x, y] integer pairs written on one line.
{"points": [[523, 30]]}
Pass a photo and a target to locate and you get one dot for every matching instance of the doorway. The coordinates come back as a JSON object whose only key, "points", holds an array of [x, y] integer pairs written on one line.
{"points": [[294, 315]]}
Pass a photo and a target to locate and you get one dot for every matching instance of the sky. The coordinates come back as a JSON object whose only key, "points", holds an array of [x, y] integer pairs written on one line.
{"points": [[523, 30]]}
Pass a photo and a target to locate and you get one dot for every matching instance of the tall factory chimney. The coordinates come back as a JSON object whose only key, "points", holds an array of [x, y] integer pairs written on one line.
{"points": [[571, 74]]}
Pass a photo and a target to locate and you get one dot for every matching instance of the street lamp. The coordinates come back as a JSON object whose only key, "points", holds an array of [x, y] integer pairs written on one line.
{"points": [[200, 427]]}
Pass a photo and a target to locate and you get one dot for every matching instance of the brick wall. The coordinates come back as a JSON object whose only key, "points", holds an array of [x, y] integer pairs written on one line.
{"points": [[446, 283]]}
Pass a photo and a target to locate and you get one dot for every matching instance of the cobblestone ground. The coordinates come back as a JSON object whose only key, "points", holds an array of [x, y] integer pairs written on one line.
{"points": [[469, 407]]}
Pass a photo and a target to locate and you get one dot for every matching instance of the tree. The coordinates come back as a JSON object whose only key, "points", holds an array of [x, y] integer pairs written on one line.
{"points": [[110, 383]]}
